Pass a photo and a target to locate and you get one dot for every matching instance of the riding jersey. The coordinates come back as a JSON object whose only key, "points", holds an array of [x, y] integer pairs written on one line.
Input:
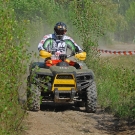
{"points": [[51, 44]]}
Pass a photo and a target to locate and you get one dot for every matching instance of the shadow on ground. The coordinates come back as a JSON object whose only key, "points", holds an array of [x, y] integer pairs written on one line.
{"points": [[113, 125], [60, 107], [105, 121]]}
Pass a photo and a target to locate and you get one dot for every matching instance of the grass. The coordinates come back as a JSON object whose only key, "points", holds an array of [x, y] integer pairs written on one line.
{"points": [[116, 85], [126, 61]]}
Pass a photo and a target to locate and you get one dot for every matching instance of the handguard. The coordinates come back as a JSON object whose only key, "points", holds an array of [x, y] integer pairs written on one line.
{"points": [[81, 56], [44, 54]]}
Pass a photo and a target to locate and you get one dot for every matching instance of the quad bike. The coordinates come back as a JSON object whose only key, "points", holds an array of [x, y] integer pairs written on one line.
{"points": [[60, 83]]}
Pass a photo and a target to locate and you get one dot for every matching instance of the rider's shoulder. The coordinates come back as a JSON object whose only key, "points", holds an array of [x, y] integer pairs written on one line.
{"points": [[67, 37], [48, 36]]}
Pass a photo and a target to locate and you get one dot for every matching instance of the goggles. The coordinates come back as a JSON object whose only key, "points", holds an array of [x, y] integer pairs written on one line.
{"points": [[60, 32]]}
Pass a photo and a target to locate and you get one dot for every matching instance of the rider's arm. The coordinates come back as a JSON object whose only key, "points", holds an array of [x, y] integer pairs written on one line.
{"points": [[76, 49], [42, 42], [72, 45], [40, 45], [43, 47]]}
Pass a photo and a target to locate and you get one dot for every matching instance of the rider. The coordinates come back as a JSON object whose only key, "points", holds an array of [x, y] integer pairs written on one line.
{"points": [[58, 42]]}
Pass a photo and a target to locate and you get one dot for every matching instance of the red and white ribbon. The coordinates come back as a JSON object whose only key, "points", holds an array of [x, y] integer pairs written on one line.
{"points": [[116, 52]]}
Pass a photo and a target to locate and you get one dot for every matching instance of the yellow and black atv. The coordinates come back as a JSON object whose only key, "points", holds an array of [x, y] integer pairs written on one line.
{"points": [[61, 81]]}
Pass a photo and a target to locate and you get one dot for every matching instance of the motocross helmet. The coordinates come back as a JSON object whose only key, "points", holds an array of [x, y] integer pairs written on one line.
{"points": [[60, 29]]}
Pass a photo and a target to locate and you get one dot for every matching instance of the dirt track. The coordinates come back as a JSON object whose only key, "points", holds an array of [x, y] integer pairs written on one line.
{"points": [[69, 120]]}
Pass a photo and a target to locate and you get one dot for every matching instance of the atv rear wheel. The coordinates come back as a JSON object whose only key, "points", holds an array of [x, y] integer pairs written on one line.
{"points": [[91, 98], [33, 98]]}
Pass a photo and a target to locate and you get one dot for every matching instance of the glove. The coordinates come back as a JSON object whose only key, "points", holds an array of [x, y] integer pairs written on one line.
{"points": [[45, 54], [81, 56]]}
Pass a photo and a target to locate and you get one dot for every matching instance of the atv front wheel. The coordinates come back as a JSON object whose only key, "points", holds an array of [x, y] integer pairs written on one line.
{"points": [[33, 98], [79, 104], [91, 98]]}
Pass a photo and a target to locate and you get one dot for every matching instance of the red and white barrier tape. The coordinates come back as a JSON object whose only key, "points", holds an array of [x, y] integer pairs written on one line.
{"points": [[116, 52]]}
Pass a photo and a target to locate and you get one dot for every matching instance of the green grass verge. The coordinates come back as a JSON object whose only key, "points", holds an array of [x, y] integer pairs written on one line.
{"points": [[116, 85]]}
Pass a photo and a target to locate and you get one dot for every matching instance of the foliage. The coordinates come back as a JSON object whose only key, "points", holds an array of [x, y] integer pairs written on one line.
{"points": [[91, 18], [116, 85], [127, 10], [123, 5], [130, 15], [13, 58]]}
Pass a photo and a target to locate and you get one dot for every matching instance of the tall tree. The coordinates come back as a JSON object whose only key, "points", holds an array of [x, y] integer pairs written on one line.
{"points": [[130, 17]]}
